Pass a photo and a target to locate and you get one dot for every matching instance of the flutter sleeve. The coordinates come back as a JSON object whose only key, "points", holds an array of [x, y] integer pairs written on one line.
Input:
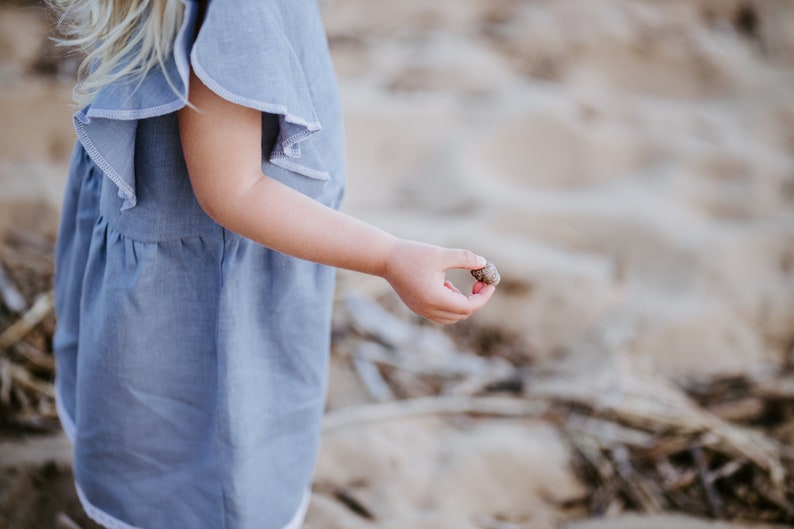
{"points": [[255, 53]]}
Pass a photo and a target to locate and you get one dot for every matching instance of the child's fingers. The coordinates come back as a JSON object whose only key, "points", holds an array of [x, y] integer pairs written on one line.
{"points": [[452, 287], [444, 318], [480, 298], [453, 306], [420, 290], [463, 306]]}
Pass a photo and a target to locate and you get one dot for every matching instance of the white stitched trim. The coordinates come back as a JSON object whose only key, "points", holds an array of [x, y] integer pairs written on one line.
{"points": [[270, 108], [136, 114], [285, 163], [300, 514], [99, 516], [67, 423], [111, 522], [125, 191]]}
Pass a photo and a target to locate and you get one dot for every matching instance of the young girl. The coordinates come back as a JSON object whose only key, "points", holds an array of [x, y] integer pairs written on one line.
{"points": [[195, 260]]}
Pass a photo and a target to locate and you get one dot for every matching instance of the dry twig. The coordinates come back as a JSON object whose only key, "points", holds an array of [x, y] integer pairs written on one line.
{"points": [[496, 406], [16, 331]]}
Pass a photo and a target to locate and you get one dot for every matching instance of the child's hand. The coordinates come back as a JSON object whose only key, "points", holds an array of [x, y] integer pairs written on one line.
{"points": [[416, 272]]}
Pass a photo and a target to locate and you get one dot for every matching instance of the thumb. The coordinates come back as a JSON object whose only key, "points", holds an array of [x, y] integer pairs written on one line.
{"points": [[465, 259]]}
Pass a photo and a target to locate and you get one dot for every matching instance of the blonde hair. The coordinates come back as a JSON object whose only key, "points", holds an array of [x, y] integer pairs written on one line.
{"points": [[121, 39]]}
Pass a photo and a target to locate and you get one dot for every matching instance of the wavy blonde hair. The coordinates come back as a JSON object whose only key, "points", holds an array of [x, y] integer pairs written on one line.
{"points": [[121, 39]]}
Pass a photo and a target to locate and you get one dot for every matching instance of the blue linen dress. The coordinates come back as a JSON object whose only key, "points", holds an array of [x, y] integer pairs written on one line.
{"points": [[191, 362]]}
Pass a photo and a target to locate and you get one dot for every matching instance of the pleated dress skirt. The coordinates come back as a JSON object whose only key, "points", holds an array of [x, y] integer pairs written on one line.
{"points": [[191, 362]]}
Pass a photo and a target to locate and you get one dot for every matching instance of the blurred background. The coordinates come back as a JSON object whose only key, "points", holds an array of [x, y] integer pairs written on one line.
{"points": [[629, 168]]}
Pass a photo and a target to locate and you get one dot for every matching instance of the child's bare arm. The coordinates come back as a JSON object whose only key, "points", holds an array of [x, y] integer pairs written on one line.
{"points": [[222, 146]]}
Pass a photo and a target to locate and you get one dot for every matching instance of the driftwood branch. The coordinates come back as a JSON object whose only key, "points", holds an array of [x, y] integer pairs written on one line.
{"points": [[370, 376], [20, 376], [402, 409], [16, 331], [63, 521]]}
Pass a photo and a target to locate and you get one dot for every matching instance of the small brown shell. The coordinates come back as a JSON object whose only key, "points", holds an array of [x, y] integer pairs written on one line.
{"points": [[488, 275]]}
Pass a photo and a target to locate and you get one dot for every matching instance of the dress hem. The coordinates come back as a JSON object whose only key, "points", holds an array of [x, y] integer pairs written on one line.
{"points": [[66, 420], [111, 522]]}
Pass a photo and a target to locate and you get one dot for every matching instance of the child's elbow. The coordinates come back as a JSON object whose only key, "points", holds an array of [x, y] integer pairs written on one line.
{"points": [[210, 207], [210, 200], [224, 199]]}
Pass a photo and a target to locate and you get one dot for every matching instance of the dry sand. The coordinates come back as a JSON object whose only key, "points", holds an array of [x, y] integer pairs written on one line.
{"points": [[628, 165]]}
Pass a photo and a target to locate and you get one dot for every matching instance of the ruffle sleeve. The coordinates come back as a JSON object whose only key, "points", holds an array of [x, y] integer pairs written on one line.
{"points": [[251, 52]]}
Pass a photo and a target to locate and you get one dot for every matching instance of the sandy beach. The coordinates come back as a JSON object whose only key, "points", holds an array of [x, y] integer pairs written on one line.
{"points": [[629, 167]]}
